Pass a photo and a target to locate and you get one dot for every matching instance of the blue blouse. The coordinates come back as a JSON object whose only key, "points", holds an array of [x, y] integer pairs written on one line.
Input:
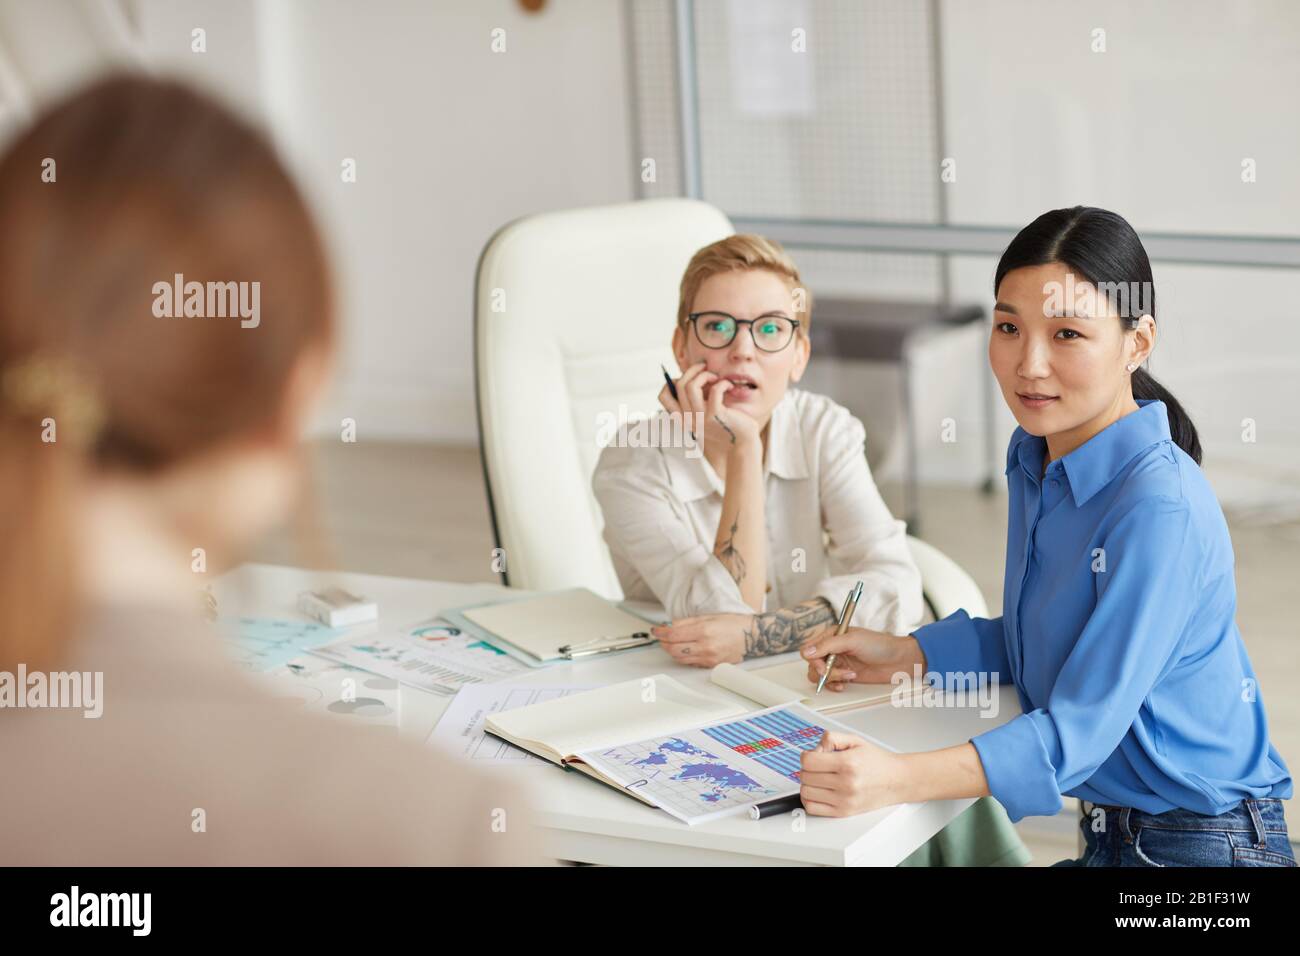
{"points": [[1118, 630]]}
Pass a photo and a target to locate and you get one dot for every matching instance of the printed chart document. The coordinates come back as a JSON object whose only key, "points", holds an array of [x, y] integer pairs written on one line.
{"points": [[336, 690], [262, 643], [717, 770], [690, 754], [434, 656]]}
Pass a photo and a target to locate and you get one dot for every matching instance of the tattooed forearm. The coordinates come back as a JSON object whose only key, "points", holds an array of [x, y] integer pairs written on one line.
{"points": [[732, 559], [725, 428], [776, 632]]}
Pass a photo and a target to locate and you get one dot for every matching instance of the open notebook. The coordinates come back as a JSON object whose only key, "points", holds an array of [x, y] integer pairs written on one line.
{"points": [[657, 740], [788, 683]]}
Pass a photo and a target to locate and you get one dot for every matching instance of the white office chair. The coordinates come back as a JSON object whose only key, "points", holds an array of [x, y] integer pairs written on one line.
{"points": [[573, 315], [945, 584]]}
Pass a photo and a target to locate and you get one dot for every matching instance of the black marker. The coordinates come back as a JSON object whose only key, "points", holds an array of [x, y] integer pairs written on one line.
{"points": [[672, 389], [772, 807]]}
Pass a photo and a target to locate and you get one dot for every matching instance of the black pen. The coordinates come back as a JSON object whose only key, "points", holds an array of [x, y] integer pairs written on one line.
{"points": [[672, 389], [772, 807]]}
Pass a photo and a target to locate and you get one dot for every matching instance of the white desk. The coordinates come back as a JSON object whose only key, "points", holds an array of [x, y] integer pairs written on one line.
{"points": [[587, 821]]}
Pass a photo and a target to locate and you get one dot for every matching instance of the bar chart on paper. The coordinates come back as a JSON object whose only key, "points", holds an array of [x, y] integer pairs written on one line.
{"points": [[774, 740], [701, 773]]}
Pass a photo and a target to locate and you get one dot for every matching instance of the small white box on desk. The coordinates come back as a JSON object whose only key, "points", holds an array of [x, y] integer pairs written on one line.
{"points": [[336, 607]]}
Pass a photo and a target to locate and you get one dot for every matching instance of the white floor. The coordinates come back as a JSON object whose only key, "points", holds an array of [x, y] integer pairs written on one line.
{"points": [[418, 510]]}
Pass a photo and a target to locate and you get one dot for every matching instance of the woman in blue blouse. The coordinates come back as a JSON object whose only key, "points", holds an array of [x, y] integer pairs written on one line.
{"points": [[1118, 626]]}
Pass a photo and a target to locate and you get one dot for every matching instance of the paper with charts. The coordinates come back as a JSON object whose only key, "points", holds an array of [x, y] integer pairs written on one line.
{"points": [[260, 643], [433, 656], [719, 769], [461, 728], [336, 690]]}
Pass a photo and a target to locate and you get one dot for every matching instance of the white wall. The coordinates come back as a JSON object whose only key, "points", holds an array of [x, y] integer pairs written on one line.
{"points": [[48, 48], [229, 66], [451, 142], [1156, 129]]}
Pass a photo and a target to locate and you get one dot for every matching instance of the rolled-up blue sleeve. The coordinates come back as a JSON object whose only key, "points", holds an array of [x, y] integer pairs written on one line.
{"points": [[1133, 634], [961, 644]]}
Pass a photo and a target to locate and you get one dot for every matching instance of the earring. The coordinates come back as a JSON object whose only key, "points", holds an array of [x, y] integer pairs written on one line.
{"points": [[1131, 366]]}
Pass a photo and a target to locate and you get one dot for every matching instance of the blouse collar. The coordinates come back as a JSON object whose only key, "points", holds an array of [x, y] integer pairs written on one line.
{"points": [[1100, 459]]}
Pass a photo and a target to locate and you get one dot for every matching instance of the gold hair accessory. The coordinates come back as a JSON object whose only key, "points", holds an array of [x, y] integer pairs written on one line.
{"points": [[51, 387]]}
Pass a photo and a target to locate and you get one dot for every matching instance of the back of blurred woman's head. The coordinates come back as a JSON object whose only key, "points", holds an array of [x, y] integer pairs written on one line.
{"points": [[127, 187]]}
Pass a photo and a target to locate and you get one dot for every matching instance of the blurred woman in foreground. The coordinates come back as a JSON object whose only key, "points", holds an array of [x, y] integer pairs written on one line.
{"points": [[128, 439]]}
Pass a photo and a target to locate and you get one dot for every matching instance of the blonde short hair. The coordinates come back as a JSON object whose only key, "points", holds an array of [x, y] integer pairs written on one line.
{"points": [[742, 252]]}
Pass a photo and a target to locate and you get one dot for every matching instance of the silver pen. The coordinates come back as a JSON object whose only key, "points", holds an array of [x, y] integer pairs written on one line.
{"points": [[846, 615], [639, 639], [565, 648]]}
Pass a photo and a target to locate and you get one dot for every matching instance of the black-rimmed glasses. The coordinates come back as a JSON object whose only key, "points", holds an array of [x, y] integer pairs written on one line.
{"points": [[716, 330]]}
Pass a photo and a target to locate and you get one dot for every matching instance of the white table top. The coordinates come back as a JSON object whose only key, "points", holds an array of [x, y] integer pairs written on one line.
{"points": [[587, 821]]}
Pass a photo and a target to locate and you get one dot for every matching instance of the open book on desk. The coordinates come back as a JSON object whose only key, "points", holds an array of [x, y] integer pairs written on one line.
{"points": [[788, 683], [691, 755]]}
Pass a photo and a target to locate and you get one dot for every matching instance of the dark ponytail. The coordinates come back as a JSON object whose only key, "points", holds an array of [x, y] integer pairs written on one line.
{"points": [[1181, 428], [1101, 247]]}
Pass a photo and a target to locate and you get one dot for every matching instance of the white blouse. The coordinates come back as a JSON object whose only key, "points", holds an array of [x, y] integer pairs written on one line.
{"points": [[827, 525]]}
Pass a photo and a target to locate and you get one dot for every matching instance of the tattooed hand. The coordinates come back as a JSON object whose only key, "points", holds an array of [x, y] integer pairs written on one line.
{"points": [[711, 639], [785, 629], [706, 640]]}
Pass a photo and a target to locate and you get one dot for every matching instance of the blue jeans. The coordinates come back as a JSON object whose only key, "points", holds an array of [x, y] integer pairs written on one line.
{"points": [[1253, 833]]}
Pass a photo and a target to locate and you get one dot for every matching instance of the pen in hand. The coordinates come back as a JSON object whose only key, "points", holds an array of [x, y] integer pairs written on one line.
{"points": [[672, 389], [846, 615]]}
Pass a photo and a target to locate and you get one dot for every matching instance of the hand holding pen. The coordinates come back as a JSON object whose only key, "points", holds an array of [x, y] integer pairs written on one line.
{"points": [[698, 398], [846, 615], [860, 656]]}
